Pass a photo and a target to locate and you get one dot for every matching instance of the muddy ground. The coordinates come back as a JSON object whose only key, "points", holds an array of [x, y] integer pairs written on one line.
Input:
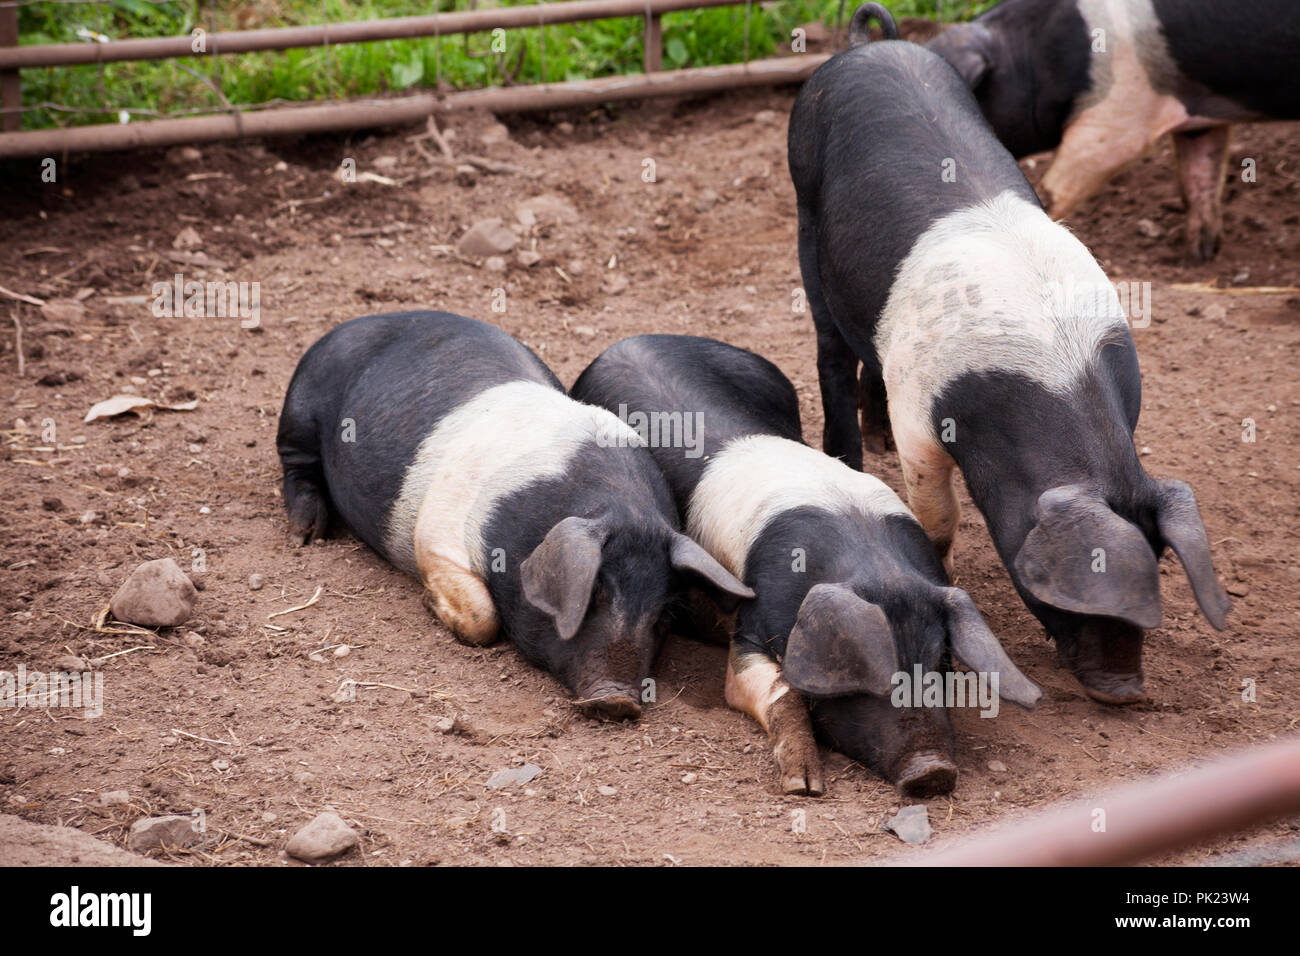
{"points": [[708, 248]]}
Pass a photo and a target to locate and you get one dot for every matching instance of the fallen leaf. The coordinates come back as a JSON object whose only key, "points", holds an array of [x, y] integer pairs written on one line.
{"points": [[121, 404]]}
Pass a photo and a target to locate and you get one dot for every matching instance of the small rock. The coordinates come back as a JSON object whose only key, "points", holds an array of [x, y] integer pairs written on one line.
{"points": [[575, 268], [114, 798], [323, 839], [528, 258], [195, 640], [548, 208], [910, 824], [256, 582], [466, 175], [1238, 589], [63, 311], [616, 284], [152, 833], [504, 778], [71, 665], [584, 332], [526, 217], [997, 766], [156, 594], [269, 817], [384, 163], [52, 504], [494, 264], [564, 128], [445, 725], [766, 117], [1149, 229], [1216, 311], [187, 238], [606, 791], [706, 201], [496, 133], [183, 155], [304, 778], [221, 766], [89, 517], [343, 650], [689, 778], [487, 237]]}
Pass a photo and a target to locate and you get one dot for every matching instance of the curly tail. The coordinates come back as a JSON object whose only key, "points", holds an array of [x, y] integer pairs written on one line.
{"points": [[865, 13]]}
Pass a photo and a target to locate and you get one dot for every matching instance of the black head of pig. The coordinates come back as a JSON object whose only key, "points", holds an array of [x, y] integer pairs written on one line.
{"points": [[602, 584], [855, 644], [1090, 575], [1026, 61]]}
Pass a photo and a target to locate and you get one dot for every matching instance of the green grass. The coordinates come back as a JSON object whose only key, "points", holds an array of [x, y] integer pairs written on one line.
{"points": [[572, 51]]}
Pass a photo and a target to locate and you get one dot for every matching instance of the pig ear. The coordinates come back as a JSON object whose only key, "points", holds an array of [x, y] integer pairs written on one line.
{"points": [[975, 646], [967, 48], [840, 645], [560, 574], [1080, 556], [685, 555], [1179, 521]]}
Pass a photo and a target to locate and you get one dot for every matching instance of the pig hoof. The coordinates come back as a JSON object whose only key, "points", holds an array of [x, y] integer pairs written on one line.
{"points": [[927, 775], [1205, 246], [801, 769], [1116, 689]]}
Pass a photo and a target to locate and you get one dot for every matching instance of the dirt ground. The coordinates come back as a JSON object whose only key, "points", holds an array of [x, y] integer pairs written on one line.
{"points": [[693, 782]]}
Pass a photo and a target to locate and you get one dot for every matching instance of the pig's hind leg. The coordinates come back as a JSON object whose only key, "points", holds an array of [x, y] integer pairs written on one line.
{"points": [[873, 405], [837, 365], [1202, 159], [306, 496], [755, 687]]}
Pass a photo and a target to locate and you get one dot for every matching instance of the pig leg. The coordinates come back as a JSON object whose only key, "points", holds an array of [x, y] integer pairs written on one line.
{"points": [[755, 687], [457, 596], [873, 406], [932, 498], [837, 365], [1202, 161]]}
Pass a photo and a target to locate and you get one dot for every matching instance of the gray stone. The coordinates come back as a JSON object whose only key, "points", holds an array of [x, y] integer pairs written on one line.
{"points": [[494, 264], [156, 594], [504, 778], [528, 258], [488, 237], [547, 208], [910, 824], [114, 798], [323, 839], [706, 200], [152, 833], [256, 582]]}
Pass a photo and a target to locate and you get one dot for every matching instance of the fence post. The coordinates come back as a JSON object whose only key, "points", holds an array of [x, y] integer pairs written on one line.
{"points": [[11, 86], [654, 47]]}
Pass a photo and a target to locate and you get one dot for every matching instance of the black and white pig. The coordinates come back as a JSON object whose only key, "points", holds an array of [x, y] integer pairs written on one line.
{"points": [[1105, 79], [453, 451], [849, 590], [991, 340]]}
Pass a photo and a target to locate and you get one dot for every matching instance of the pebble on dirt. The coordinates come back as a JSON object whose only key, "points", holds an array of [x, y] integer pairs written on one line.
{"points": [[487, 237], [156, 594], [504, 778], [114, 798], [910, 824], [152, 833], [256, 582], [547, 208], [323, 839]]}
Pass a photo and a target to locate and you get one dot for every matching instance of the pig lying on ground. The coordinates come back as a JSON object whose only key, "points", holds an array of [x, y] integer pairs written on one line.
{"points": [[1105, 79], [850, 593], [453, 451], [991, 340]]}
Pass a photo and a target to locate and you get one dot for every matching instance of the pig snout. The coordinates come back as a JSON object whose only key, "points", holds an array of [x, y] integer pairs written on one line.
{"points": [[910, 747], [926, 774], [608, 678], [1106, 657]]}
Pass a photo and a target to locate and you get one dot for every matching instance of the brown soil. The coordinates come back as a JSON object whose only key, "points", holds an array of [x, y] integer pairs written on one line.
{"points": [[325, 252]]}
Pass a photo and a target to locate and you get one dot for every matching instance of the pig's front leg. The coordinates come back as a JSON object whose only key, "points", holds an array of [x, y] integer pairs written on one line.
{"points": [[456, 595], [1202, 159], [928, 474], [837, 365], [755, 687]]}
